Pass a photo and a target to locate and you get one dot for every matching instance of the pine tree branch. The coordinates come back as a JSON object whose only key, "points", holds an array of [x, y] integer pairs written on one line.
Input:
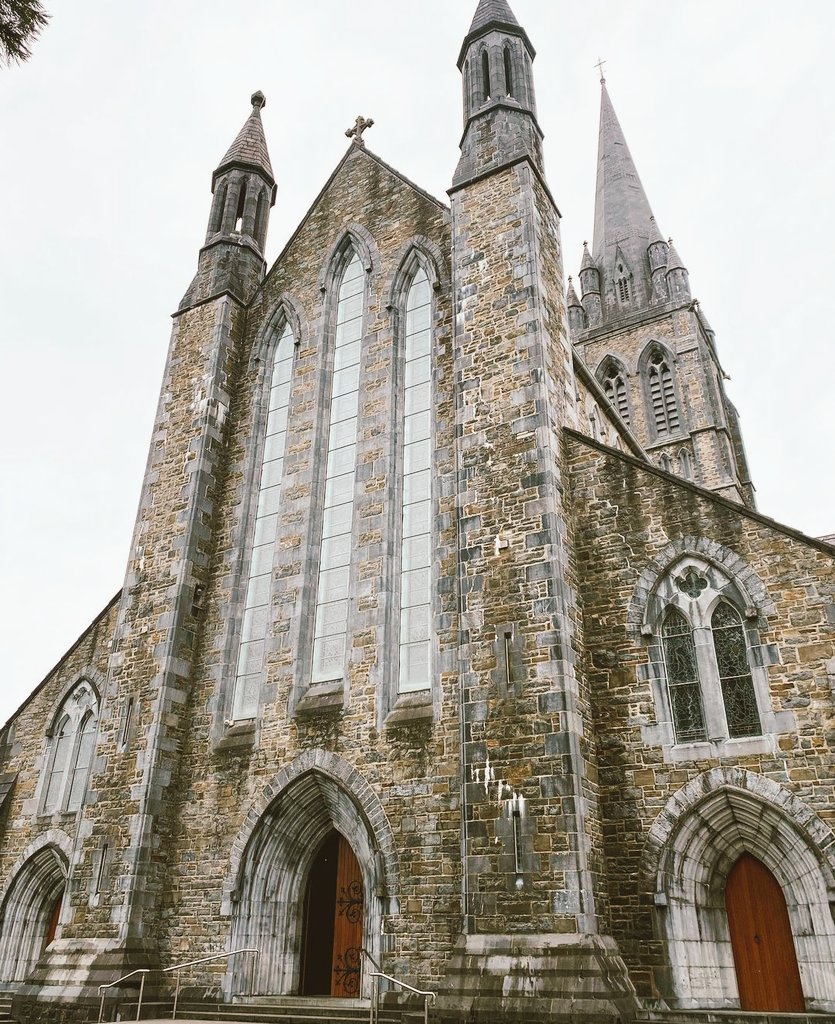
{"points": [[21, 21]]}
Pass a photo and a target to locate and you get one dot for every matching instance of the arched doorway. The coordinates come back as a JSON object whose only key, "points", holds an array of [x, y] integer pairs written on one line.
{"points": [[333, 917], [761, 939], [30, 914], [310, 884]]}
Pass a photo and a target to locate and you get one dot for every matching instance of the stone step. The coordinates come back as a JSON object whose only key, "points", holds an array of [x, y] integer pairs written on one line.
{"points": [[284, 1012], [730, 1017]]}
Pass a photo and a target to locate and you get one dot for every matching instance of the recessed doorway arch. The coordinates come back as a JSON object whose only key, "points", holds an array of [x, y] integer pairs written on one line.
{"points": [[282, 854], [30, 913]]}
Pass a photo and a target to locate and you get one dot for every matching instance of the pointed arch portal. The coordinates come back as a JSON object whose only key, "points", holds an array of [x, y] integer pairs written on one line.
{"points": [[30, 913], [308, 893]]}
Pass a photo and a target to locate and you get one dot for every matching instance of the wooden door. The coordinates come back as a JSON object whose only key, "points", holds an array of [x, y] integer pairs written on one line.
{"points": [[54, 918], [762, 941], [333, 919], [349, 911]]}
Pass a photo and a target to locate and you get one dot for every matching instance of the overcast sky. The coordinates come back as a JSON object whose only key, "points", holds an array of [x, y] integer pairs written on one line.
{"points": [[108, 137]]}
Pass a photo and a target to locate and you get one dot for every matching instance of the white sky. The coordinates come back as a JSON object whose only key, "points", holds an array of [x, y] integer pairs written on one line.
{"points": [[110, 134]]}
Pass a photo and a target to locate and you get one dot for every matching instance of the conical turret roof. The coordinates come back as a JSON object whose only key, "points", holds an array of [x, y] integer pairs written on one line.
{"points": [[494, 14], [571, 296], [674, 260], [622, 214], [250, 146], [489, 11]]}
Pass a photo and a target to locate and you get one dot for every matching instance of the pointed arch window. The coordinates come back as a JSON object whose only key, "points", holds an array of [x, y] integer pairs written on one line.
{"points": [[415, 668], [714, 691], [331, 620], [662, 393], [614, 384], [70, 753], [257, 604], [734, 672], [508, 71], [683, 678], [685, 464]]}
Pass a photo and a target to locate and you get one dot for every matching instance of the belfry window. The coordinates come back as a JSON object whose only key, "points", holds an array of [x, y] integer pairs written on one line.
{"points": [[662, 393], [331, 623], [614, 384], [257, 605], [416, 516], [485, 77], [508, 72], [71, 750]]}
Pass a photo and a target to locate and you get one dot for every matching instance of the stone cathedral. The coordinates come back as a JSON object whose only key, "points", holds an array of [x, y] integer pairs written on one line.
{"points": [[451, 644]]}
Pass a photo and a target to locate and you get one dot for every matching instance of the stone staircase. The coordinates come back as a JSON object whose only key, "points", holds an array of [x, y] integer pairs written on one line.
{"points": [[5, 1007]]}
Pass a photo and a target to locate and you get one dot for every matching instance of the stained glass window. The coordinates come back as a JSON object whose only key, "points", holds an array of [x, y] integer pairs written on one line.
{"points": [[683, 678], [83, 758], [735, 672], [663, 395], [331, 627], [416, 572], [257, 604]]}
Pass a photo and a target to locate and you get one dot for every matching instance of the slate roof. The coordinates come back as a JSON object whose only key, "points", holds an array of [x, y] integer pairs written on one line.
{"points": [[489, 11], [250, 146]]}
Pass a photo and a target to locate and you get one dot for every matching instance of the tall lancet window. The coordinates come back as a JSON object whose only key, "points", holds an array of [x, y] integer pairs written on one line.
{"points": [[331, 628], [662, 395], [683, 678], [257, 606], [735, 672], [416, 559]]}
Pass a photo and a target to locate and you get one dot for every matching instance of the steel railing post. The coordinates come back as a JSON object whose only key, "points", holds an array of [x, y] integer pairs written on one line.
{"points": [[176, 997], [141, 993]]}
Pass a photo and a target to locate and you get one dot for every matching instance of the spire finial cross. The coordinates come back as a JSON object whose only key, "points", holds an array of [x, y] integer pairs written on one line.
{"points": [[360, 126], [600, 65]]}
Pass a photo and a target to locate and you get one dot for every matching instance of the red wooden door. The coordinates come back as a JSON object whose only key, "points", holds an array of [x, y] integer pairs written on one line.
{"points": [[347, 924], [762, 941], [54, 917], [333, 919]]}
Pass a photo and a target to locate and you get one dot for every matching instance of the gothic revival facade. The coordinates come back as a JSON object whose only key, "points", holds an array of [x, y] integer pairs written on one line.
{"points": [[450, 640]]}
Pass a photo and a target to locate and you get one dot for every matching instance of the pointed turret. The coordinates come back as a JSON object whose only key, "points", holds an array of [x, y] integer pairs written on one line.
{"points": [[244, 190], [243, 183], [576, 314], [657, 250], [678, 280], [590, 287], [496, 62], [622, 214]]}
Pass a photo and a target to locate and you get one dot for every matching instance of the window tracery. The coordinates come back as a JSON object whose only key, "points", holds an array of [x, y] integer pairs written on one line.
{"points": [[709, 690], [71, 749], [614, 384]]}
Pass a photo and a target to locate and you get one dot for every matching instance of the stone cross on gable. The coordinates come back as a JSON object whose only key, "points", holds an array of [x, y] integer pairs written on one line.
{"points": [[360, 126]]}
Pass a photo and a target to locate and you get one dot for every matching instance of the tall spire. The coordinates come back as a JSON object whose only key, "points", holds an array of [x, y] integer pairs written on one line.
{"points": [[623, 220]]}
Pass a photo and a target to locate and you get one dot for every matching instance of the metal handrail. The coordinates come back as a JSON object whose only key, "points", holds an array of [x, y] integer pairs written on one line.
{"points": [[376, 975], [102, 989], [203, 960], [168, 970]]}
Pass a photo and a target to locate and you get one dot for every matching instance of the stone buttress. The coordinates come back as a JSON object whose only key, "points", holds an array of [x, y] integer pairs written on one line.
{"points": [[532, 942]]}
